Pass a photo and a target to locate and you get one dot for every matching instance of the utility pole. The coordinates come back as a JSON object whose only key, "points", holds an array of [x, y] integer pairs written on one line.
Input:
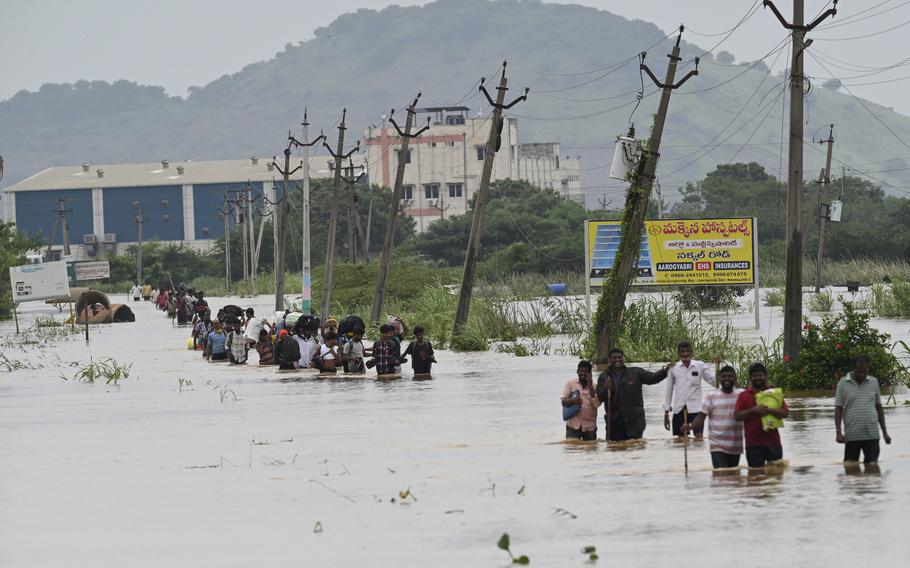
{"points": [[225, 214], [251, 235], [61, 212], [140, 220], [793, 293], [366, 235], [480, 201], [612, 302], [354, 228], [306, 294], [338, 155], [660, 202], [823, 213], [385, 261]]}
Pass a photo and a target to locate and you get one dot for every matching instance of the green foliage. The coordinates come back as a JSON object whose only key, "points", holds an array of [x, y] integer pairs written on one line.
{"points": [[748, 190], [891, 300], [13, 248], [708, 297], [470, 339], [652, 328], [517, 349], [828, 351], [775, 297], [505, 544], [526, 229], [163, 263], [821, 302], [106, 369]]}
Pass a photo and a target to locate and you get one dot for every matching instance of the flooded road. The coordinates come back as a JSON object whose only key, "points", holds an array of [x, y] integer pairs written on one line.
{"points": [[303, 472]]}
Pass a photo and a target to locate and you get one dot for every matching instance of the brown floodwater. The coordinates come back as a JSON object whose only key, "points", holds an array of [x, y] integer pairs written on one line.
{"points": [[147, 474]]}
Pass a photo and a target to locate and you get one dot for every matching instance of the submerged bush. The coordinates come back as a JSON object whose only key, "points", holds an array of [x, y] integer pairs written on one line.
{"points": [[891, 301], [709, 297], [828, 351]]}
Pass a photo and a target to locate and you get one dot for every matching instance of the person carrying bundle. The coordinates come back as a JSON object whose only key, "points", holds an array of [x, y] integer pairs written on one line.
{"points": [[287, 351], [752, 408]]}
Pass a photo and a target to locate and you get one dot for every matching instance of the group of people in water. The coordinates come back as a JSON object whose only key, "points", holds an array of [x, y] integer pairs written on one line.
{"points": [[738, 419], [292, 340]]}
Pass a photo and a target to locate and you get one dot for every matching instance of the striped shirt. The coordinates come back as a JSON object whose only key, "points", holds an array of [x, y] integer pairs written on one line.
{"points": [[859, 401], [725, 434]]}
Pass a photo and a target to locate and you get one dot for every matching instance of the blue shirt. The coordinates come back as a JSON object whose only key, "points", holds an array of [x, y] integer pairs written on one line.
{"points": [[216, 342]]}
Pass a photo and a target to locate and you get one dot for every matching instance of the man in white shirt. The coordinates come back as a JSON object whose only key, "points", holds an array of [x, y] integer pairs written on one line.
{"points": [[683, 398]]}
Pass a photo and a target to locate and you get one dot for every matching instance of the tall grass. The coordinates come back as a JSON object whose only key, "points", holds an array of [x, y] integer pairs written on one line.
{"points": [[890, 300], [866, 271]]}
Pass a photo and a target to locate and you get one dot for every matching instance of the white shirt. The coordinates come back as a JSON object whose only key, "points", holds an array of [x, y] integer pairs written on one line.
{"points": [[684, 386], [308, 348], [253, 327]]}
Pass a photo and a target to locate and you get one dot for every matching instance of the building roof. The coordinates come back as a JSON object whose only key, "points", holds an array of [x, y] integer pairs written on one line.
{"points": [[155, 174]]}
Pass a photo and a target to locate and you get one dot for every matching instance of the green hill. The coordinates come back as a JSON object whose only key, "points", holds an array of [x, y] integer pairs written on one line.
{"points": [[370, 61]]}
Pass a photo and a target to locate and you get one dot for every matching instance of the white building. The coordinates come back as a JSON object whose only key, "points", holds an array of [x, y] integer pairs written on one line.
{"points": [[444, 164]]}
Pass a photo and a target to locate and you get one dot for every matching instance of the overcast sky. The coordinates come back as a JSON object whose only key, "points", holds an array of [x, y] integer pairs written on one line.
{"points": [[179, 43]]}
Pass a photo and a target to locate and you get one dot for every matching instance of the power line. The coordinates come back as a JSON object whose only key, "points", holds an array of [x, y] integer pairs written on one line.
{"points": [[850, 20], [874, 34], [777, 48], [860, 101]]}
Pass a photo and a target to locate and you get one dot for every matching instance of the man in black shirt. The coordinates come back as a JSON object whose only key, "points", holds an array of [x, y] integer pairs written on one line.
{"points": [[619, 387]]}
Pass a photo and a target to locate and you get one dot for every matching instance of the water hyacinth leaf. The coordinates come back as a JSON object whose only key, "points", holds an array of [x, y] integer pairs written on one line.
{"points": [[523, 560], [589, 549], [504, 542]]}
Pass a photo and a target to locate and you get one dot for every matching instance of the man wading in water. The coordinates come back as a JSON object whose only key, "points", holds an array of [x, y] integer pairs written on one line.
{"points": [[858, 403], [725, 434], [580, 404], [762, 446], [684, 390], [620, 389]]}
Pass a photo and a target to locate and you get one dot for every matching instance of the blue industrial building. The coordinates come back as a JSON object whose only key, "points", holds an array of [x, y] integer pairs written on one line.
{"points": [[180, 202]]}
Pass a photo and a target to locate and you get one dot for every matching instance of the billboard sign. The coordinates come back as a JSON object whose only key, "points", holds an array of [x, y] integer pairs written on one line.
{"points": [[679, 252], [39, 281], [93, 270]]}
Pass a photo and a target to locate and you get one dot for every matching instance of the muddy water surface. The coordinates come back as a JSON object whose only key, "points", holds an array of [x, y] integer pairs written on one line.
{"points": [[142, 474]]}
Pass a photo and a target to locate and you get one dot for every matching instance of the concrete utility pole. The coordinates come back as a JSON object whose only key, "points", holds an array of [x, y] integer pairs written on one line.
{"points": [[225, 214], [823, 206], [480, 201], [339, 156], [251, 235], [140, 220], [354, 227], [306, 296], [285, 214], [61, 212], [612, 302], [385, 261], [366, 234], [793, 294]]}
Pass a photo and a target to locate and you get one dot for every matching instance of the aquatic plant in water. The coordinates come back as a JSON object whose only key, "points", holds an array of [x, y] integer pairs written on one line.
{"points": [[505, 544]]}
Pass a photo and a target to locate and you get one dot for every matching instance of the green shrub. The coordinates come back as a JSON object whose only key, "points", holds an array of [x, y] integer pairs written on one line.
{"points": [[890, 301], [828, 351], [708, 297], [774, 297], [470, 340], [517, 349], [821, 302]]}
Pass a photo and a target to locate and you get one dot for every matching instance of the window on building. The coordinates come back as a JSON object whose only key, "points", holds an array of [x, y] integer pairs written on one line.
{"points": [[407, 193], [455, 120], [431, 190], [480, 152], [407, 157], [455, 190], [450, 143]]}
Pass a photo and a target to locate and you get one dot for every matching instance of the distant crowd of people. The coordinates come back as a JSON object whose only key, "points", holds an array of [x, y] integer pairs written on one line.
{"points": [[738, 419], [295, 341]]}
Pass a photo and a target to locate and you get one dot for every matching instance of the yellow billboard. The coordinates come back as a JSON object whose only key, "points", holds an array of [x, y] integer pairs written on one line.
{"points": [[679, 252]]}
